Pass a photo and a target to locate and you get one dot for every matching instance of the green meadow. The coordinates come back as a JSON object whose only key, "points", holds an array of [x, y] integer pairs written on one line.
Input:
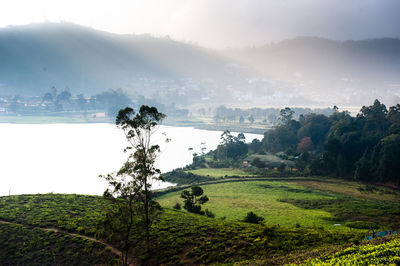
{"points": [[296, 203], [234, 199]]}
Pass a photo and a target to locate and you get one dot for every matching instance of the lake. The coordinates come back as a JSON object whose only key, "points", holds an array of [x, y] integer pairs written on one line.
{"points": [[68, 158]]}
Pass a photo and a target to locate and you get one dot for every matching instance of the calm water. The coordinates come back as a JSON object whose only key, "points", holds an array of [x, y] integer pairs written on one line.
{"points": [[67, 158]]}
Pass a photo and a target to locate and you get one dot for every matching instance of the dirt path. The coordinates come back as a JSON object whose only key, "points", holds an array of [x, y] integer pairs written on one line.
{"points": [[113, 249]]}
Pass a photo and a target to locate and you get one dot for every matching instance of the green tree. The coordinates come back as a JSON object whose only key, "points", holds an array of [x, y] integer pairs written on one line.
{"points": [[251, 119], [194, 199], [53, 91], [393, 117], [316, 127], [227, 137], [47, 97], [303, 161], [282, 167], [386, 158], [286, 115], [113, 100], [64, 96], [81, 101], [231, 147], [132, 183]]}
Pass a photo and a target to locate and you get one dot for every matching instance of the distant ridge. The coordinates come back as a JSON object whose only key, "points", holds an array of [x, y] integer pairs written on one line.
{"points": [[318, 58], [303, 71], [35, 57]]}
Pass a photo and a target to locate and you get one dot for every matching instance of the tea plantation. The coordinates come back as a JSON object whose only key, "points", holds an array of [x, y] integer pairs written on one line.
{"points": [[300, 222]]}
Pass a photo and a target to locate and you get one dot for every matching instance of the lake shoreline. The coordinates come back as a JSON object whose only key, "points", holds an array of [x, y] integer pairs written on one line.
{"points": [[69, 157], [187, 122]]}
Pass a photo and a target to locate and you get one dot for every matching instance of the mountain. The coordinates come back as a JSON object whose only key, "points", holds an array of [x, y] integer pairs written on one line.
{"points": [[317, 67], [35, 57], [304, 71]]}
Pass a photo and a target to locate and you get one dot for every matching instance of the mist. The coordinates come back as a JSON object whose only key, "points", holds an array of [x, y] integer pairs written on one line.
{"points": [[219, 24]]}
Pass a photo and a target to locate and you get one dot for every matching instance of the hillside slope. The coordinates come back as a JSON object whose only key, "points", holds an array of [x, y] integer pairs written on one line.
{"points": [[35, 57]]}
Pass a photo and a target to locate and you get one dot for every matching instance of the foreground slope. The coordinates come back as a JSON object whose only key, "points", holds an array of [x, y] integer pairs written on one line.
{"points": [[185, 238], [387, 253]]}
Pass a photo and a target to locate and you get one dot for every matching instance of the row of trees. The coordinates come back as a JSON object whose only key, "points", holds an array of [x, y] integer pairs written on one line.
{"points": [[270, 115], [110, 101]]}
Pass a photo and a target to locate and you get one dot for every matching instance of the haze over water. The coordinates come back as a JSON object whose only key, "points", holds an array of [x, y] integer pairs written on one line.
{"points": [[68, 158]]}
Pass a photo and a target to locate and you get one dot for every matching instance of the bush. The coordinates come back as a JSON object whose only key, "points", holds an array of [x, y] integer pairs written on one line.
{"points": [[177, 206], [362, 225], [209, 213], [253, 218]]}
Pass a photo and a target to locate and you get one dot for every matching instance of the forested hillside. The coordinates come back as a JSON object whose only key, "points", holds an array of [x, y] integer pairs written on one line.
{"points": [[365, 147]]}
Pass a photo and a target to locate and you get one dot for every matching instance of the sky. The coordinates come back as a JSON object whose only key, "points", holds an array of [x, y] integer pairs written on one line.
{"points": [[217, 23]]}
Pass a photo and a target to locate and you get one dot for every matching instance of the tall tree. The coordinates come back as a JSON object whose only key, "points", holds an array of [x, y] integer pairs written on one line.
{"points": [[286, 115], [133, 181]]}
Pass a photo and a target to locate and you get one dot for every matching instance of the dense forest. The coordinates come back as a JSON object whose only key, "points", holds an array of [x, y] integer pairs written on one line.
{"points": [[365, 147]]}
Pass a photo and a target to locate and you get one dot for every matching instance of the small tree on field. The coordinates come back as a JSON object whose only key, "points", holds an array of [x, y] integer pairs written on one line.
{"points": [[130, 186], [253, 218], [194, 199]]}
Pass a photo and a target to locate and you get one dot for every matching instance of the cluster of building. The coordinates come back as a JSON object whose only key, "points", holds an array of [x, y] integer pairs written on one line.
{"points": [[25, 105]]}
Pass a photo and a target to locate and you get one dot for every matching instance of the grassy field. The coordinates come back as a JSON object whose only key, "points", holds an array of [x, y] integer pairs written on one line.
{"points": [[351, 188], [200, 123], [209, 123], [178, 236], [290, 203], [234, 200], [219, 172]]}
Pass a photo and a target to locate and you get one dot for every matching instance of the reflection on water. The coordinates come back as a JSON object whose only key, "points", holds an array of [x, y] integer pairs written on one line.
{"points": [[67, 158]]}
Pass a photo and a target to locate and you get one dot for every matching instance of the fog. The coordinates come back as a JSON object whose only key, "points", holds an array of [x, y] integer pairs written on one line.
{"points": [[243, 53], [221, 23]]}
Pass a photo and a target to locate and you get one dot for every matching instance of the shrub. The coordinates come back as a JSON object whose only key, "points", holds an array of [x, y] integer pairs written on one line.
{"points": [[253, 218], [362, 225], [209, 213], [177, 206]]}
